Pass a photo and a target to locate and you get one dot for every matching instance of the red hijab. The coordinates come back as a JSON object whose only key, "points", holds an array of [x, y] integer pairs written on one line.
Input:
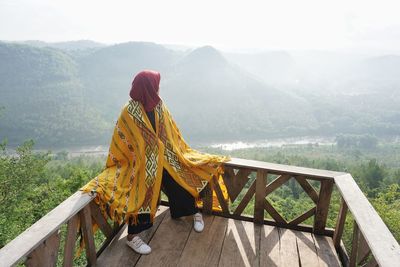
{"points": [[145, 87]]}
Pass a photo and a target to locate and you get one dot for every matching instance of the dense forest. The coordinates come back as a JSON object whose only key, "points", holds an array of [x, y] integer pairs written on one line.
{"points": [[69, 94], [34, 183]]}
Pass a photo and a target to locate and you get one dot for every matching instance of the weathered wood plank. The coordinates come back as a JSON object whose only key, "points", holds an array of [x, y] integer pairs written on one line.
{"points": [[100, 220], [274, 168], [383, 245], [326, 252], [204, 249], [306, 249], [32, 237], [288, 252], [70, 240], [270, 246], [118, 254], [220, 196], [241, 245], [260, 197], [86, 224], [303, 217], [339, 228], [245, 244], [246, 199], [354, 246], [363, 250], [324, 200], [300, 227], [235, 183], [168, 242], [207, 196], [46, 254], [308, 188], [342, 253], [228, 178], [274, 213]]}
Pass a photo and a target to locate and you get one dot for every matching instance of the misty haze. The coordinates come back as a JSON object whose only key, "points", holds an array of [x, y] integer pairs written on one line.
{"points": [[290, 111], [69, 94]]}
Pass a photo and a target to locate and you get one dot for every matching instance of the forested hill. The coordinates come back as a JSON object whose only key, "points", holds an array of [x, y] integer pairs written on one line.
{"points": [[208, 94], [71, 93], [43, 99]]}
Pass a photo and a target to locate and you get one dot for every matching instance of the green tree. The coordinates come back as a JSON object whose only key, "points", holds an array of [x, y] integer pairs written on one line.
{"points": [[372, 174], [387, 204], [21, 180]]}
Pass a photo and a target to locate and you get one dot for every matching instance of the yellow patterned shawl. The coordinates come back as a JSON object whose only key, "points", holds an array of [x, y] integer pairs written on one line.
{"points": [[130, 184]]}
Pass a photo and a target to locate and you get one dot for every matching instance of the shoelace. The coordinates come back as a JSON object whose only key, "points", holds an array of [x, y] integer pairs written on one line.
{"points": [[198, 218], [138, 242]]}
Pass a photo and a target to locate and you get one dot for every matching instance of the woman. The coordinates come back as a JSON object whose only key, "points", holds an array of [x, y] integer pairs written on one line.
{"points": [[147, 153]]}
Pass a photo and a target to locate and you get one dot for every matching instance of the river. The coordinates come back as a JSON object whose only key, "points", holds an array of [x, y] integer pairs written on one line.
{"points": [[102, 150]]}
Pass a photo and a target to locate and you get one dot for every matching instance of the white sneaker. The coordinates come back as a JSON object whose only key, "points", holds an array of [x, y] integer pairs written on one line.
{"points": [[138, 245], [198, 223]]}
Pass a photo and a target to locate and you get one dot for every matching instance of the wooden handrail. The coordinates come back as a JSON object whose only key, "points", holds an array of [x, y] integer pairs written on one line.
{"points": [[281, 168], [35, 235], [271, 176], [370, 233], [380, 240]]}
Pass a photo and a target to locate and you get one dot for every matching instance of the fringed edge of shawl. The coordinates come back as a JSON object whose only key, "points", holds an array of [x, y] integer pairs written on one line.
{"points": [[108, 212]]}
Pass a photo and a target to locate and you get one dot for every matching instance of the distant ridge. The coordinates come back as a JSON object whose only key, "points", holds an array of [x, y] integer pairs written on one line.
{"points": [[43, 98], [206, 86], [68, 45], [70, 93]]}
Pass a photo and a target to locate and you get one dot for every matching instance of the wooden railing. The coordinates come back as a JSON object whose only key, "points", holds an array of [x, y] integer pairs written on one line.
{"points": [[268, 178], [372, 245], [39, 244]]}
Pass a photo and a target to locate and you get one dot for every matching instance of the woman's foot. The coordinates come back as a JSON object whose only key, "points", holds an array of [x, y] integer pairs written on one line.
{"points": [[138, 245], [198, 223]]}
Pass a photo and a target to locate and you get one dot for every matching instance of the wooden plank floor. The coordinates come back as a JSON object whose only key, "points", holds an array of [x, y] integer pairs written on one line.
{"points": [[224, 242]]}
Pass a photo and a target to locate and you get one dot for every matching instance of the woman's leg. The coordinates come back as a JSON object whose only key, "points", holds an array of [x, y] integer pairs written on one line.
{"points": [[143, 223], [133, 240], [181, 202]]}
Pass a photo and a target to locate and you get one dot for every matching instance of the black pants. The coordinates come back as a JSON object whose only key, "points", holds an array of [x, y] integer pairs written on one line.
{"points": [[181, 203]]}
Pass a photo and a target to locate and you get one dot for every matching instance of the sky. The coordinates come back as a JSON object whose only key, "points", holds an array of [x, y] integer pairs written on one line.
{"points": [[253, 24]]}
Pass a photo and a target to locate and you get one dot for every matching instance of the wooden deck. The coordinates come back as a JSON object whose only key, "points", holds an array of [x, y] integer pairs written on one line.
{"points": [[230, 238], [224, 242]]}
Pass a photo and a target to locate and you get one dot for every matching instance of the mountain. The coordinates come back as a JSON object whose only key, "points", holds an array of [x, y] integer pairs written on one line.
{"points": [[214, 100], [42, 98], [382, 69], [274, 67], [64, 97], [348, 92], [68, 46], [107, 73]]}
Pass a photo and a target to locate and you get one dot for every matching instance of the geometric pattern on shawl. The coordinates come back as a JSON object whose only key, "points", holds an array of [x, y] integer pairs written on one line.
{"points": [[130, 183]]}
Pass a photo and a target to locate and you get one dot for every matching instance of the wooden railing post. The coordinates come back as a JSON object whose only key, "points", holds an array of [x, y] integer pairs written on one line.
{"points": [[220, 196], [354, 246], [70, 240], [46, 253], [363, 250], [260, 197], [86, 221], [207, 199], [341, 219], [100, 220], [324, 199]]}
